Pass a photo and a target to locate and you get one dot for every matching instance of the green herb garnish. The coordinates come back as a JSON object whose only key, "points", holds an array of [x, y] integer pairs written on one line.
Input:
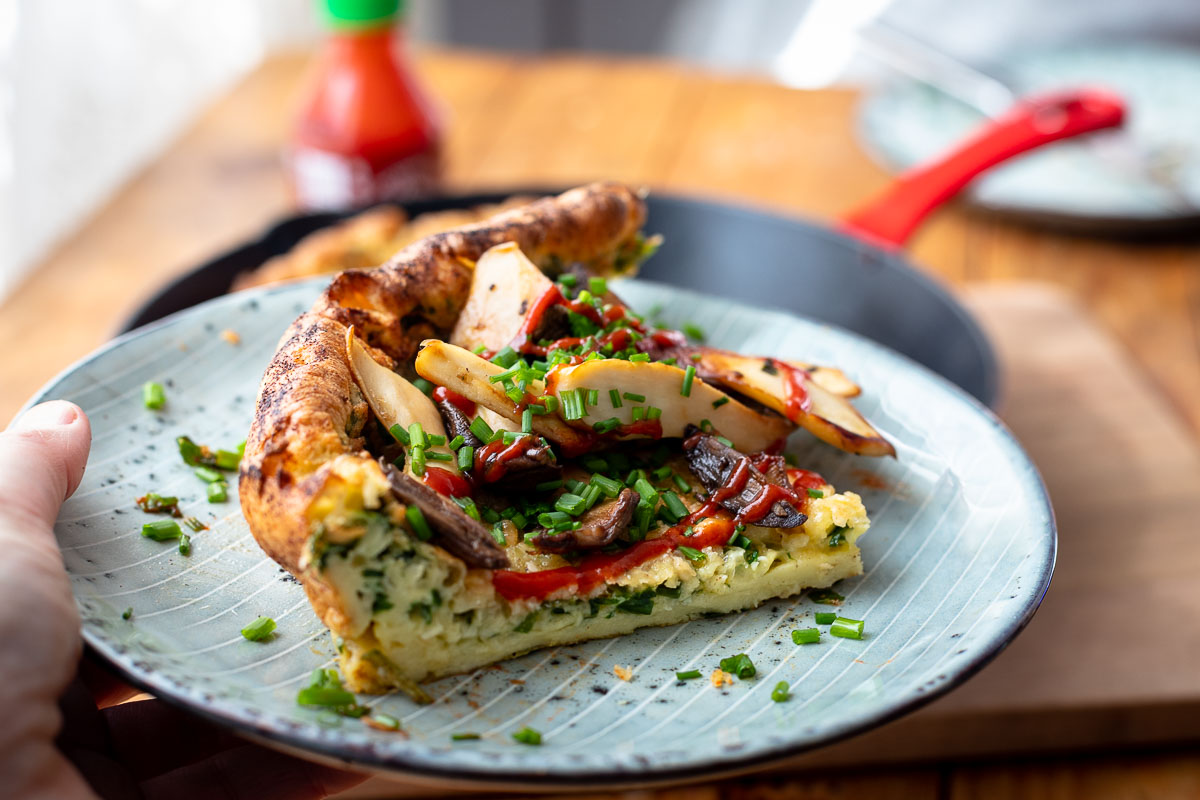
{"points": [[690, 674], [845, 628], [528, 735], [806, 636], [162, 530], [259, 630], [739, 665], [781, 693], [154, 396]]}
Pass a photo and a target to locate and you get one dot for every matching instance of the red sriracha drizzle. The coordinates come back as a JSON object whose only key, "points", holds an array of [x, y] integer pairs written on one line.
{"points": [[442, 394], [795, 392], [619, 339], [596, 570], [447, 483]]}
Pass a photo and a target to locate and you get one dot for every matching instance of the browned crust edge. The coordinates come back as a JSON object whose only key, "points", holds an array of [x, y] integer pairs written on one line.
{"points": [[305, 403]]}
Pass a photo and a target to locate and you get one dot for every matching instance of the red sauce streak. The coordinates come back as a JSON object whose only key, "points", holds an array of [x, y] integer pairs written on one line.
{"points": [[734, 484], [442, 394], [795, 392], [596, 570], [762, 503], [447, 483], [643, 427], [491, 460], [552, 296], [804, 478]]}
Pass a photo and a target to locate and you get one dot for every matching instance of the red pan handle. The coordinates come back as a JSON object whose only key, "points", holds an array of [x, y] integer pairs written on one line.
{"points": [[889, 218]]}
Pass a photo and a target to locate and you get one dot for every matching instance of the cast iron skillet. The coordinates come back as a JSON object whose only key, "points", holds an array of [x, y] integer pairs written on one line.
{"points": [[725, 251], [854, 278]]}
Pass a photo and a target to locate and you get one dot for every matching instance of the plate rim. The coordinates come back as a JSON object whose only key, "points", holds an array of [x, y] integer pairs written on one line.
{"points": [[285, 736]]}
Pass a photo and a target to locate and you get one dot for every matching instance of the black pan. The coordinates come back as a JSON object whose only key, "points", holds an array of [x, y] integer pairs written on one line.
{"points": [[855, 279], [727, 251]]}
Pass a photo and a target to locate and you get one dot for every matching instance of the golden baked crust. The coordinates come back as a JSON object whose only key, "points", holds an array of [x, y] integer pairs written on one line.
{"points": [[305, 437], [365, 240]]}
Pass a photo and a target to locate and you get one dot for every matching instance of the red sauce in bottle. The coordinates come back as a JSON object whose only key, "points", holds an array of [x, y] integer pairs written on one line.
{"points": [[365, 131]]}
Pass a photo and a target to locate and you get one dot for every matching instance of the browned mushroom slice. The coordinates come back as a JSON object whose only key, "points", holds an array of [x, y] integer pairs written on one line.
{"points": [[600, 526], [737, 484], [461, 535], [457, 423], [522, 471]]}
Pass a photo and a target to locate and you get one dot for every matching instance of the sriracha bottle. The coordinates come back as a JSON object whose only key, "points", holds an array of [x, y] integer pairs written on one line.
{"points": [[365, 130]]}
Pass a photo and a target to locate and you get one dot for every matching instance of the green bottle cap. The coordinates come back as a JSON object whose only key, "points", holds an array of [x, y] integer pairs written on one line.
{"points": [[358, 14]]}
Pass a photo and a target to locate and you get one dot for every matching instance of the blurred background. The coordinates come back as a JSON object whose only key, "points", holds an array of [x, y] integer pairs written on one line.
{"points": [[90, 92], [142, 138]]}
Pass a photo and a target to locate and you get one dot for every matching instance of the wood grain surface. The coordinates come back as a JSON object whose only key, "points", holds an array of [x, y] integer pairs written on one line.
{"points": [[562, 120]]}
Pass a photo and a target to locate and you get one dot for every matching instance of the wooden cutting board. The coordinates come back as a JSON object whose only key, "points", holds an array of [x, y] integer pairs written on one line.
{"points": [[1110, 660]]}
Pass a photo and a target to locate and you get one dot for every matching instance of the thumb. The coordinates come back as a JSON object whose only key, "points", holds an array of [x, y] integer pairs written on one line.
{"points": [[42, 456]]}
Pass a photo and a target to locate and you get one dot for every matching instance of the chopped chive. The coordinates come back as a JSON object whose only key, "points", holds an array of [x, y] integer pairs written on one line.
{"points": [[567, 279], [425, 386], [465, 737], [661, 473], [653, 412], [597, 285], [646, 490], [416, 435], [162, 530], [815, 493], [482, 431], [384, 721], [185, 545], [591, 494], [782, 692], [416, 520], [806, 636], [498, 534], [435, 439], [739, 665], [468, 506], [724, 441], [672, 502], [507, 375], [399, 434], [418, 460], [326, 697], [570, 504], [434, 455], [692, 554], [683, 485], [506, 357], [466, 457], [127, 613], [259, 630], [614, 398], [689, 375], [528, 735], [550, 402], [526, 625], [208, 475], [510, 437], [825, 617], [195, 524], [593, 397], [637, 413], [706, 425], [527, 420], [720, 401], [639, 357], [826, 597], [693, 331], [690, 674], [456, 442], [217, 492], [605, 426], [547, 486], [610, 487], [634, 398], [551, 519], [228, 459], [845, 628], [154, 396]]}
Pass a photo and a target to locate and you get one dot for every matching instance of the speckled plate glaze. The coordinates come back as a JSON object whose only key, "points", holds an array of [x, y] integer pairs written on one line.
{"points": [[958, 558], [1071, 184]]}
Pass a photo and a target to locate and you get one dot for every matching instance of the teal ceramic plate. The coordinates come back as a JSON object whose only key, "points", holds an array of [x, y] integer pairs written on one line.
{"points": [[957, 560], [1149, 180]]}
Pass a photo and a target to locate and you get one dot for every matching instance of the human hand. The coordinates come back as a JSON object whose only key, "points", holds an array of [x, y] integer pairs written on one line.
{"points": [[133, 750]]}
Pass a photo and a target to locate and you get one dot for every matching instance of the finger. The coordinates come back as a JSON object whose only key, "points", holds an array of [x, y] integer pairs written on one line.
{"points": [[250, 773], [42, 456]]}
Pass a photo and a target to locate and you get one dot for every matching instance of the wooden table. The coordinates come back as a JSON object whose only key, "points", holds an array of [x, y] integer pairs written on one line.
{"points": [[565, 120]]}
